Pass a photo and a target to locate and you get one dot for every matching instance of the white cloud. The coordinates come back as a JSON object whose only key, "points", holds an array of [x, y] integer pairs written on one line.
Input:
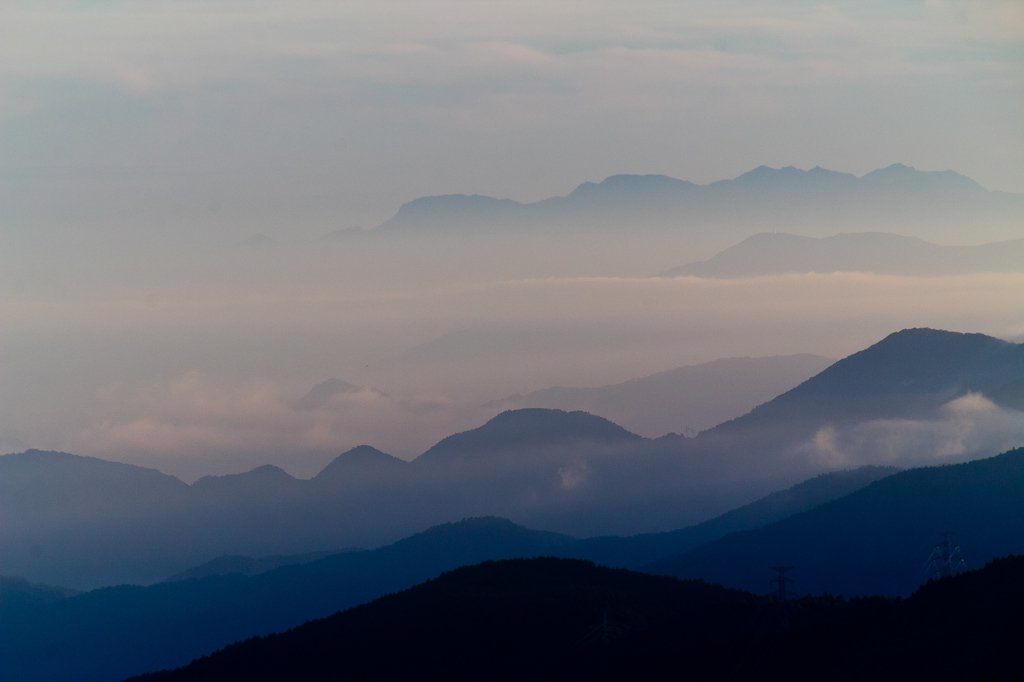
{"points": [[193, 416], [968, 426]]}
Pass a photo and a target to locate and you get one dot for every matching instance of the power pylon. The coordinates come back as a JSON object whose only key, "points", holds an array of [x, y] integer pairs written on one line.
{"points": [[945, 561], [782, 592]]}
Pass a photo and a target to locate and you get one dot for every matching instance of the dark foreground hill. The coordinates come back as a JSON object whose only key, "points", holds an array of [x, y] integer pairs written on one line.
{"points": [[564, 619], [113, 632], [875, 540]]}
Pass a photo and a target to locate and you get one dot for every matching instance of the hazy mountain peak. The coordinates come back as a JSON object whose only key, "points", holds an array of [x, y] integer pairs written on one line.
{"points": [[900, 177], [268, 474], [618, 186], [907, 374], [320, 394], [526, 427], [897, 195], [359, 460]]}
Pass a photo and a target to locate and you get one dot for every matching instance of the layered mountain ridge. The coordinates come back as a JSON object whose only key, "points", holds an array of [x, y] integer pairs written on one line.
{"points": [[896, 195], [69, 520]]}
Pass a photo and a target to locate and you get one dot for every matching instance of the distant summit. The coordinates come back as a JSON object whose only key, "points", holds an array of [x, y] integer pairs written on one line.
{"points": [[530, 427], [898, 197], [355, 465], [908, 374]]}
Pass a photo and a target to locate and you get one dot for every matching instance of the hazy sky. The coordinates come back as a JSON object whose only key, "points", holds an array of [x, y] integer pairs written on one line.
{"points": [[140, 142], [296, 118]]}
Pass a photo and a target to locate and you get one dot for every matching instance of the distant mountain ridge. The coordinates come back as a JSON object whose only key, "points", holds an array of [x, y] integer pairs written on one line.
{"points": [[896, 195], [775, 253], [682, 400]]}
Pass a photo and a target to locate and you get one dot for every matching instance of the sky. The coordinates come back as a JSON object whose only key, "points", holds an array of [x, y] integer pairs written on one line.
{"points": [[298, 118], [142, 142]]}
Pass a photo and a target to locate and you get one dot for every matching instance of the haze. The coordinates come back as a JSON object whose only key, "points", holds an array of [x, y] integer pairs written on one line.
{"points": [[170, 171]]}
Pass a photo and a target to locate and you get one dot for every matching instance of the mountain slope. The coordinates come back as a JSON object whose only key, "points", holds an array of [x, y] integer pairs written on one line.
{"points": [[113, 632], [211, 605], [877, 539], [563, 619], [637, 551], [908, 374]]}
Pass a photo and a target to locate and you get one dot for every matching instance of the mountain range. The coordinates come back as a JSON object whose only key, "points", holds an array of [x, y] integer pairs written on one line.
{"points": [[916, 201], [859, 532], [776, 253], [230, 598], [84, 522]]}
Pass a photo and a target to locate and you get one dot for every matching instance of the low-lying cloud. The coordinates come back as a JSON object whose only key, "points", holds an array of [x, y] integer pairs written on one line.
{"points": [[189, 422], [968, 427]]}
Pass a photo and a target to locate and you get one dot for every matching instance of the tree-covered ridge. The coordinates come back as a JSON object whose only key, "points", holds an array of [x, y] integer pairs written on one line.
{"points": [[552, 618]]}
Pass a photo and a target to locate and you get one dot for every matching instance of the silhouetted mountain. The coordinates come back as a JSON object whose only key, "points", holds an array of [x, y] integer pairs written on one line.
{"points": [[563, 619], [933, 203], [112, 632], [875, 540], [773, 253], [637, 551], [261, 480], [516, 430], [906, 380], [908, 374], [683, 400], [359, 464]]}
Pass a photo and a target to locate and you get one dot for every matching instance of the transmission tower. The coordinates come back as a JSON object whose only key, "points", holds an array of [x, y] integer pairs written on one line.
{"points": [[782, 592], [945, 561]]}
